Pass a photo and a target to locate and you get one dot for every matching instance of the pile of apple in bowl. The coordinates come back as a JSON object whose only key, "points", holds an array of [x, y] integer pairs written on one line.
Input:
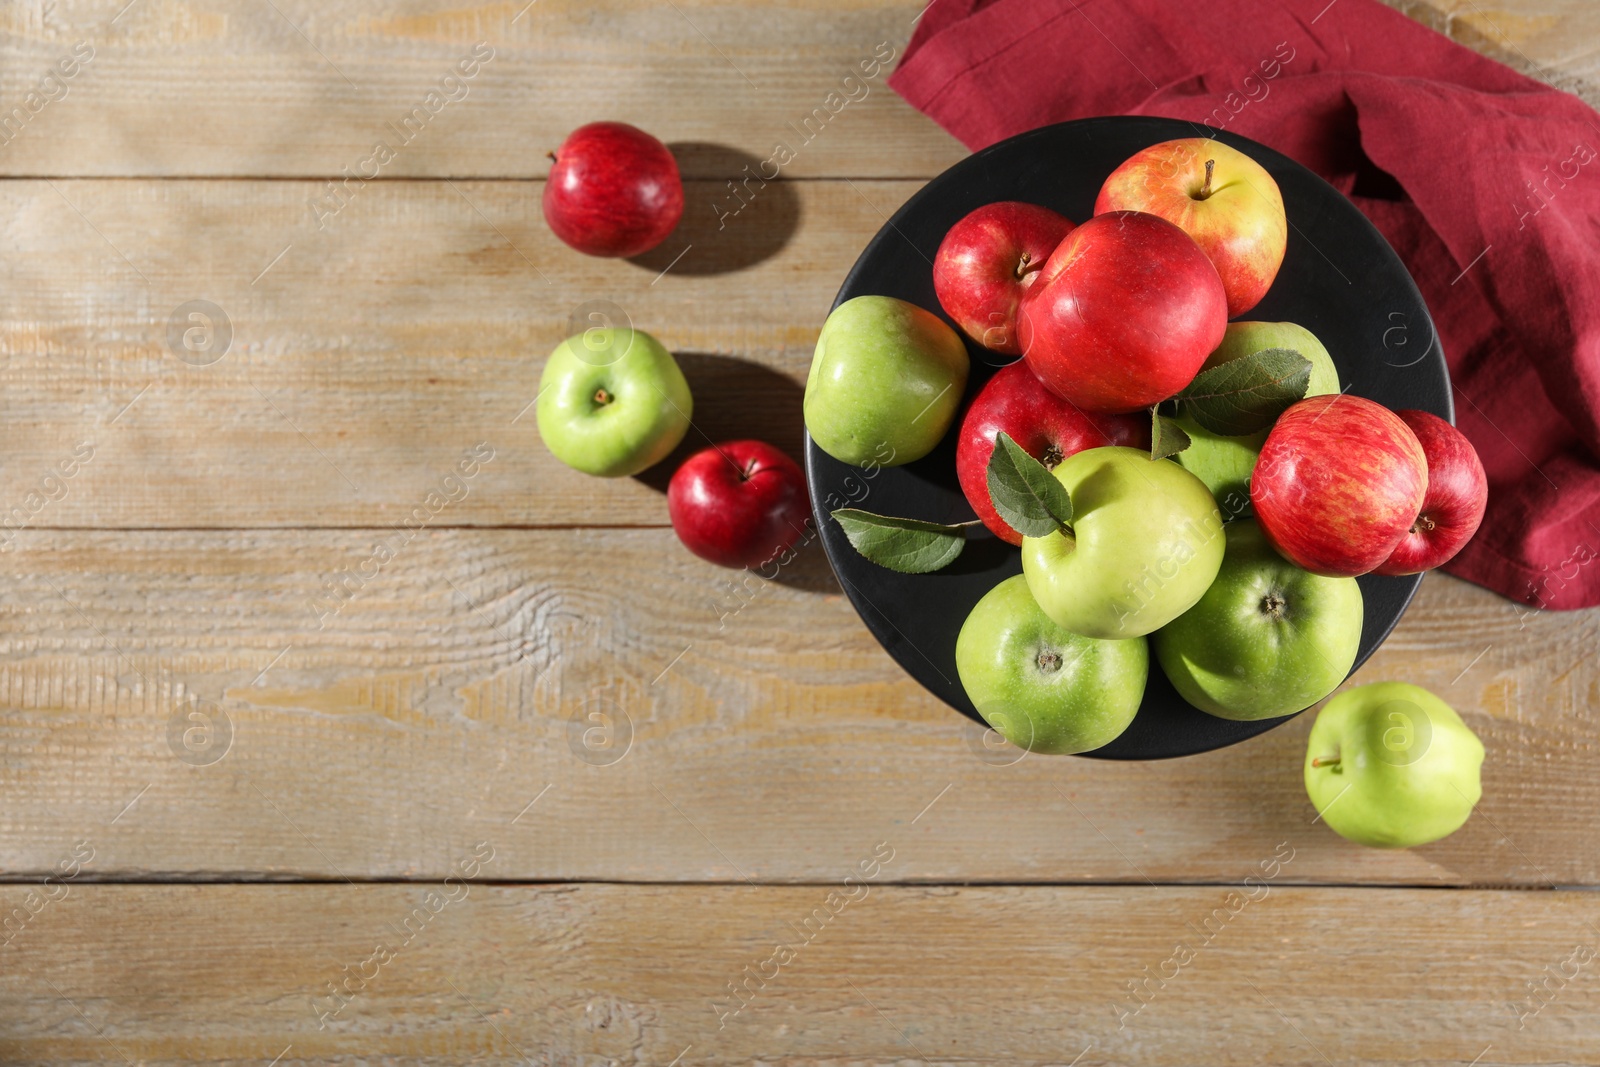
{"points": [[1182, 488]]}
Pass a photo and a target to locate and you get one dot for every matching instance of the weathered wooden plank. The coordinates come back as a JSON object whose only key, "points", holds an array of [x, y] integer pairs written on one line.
{"points": [[298, 88], [391, 694], [864, 974], [215, 88], [362, 357]]}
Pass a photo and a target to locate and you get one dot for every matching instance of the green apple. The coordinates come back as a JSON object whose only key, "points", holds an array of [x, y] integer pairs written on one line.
{"points": [[1225, 463], [1393, 766], [1146, 542], [1042, 687], [612, 402], [1267, 638], [885, 382]]}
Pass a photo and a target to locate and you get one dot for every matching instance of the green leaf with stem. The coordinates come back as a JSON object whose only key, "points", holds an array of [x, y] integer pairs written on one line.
{"points": [[1025, 493], [909, 546]]}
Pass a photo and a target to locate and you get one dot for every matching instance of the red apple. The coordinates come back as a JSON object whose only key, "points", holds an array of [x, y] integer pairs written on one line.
{"points": [[1219, 196], [987, 261], [1046, 427], [1458, 492], [1123, 314], [613, 190], [739, 504], [1339, 481]]}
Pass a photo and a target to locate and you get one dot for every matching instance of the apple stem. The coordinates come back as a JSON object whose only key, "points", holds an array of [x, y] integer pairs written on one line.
{"points": [[1205, 190], [1026, 266], [1422, 525], [602, 397], [552, 157], [1325, 761]]}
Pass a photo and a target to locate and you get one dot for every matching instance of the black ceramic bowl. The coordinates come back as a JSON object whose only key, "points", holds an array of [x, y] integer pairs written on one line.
{"points": [[1340, 279]]}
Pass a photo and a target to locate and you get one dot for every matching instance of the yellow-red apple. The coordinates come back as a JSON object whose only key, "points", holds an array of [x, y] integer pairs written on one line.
{"points": [[1219, 196]]}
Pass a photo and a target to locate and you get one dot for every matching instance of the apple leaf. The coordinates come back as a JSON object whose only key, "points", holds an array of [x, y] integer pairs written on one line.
{"points": [[909, 546], [1245, 395], [1024, 492], [1166, 436]]}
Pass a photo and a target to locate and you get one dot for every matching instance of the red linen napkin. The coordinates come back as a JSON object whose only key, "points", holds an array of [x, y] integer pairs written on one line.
{"points": [[1486, 182]]}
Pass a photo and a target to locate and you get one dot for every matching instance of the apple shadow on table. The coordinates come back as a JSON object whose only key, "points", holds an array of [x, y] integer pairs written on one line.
{"points": [[731, 221], [1264, 792], [735, 399]]}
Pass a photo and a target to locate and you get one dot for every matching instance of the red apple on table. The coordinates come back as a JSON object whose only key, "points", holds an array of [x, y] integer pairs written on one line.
{"points": [[1220, 197], [1339, 482], [1452, 508], [739, 504], [1123, 314], [1046, 427], [987, 261], [613, 191]]}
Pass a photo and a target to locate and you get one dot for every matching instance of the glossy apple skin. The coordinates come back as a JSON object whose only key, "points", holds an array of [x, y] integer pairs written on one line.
{"points": [[987, 261], [1147, 543], [1124, 313], [1407, 769], [614, 190], [738, 504], [1266, 639], [1044, 688], [1452, 509], [1240, 225], [1046, 427], [612, 402], [1225, 463], [885, 382], [1339, 481]]}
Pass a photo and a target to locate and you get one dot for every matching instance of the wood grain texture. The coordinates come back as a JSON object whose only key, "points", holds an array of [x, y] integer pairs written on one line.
{"points": [[367, 353], [756, 731], [248, 632], [298, 88], [647, 975]]}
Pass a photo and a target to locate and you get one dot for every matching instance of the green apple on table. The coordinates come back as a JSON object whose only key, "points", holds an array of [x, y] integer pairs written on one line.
{"points": [[1266, 639], [1393, 766], [1042, 687], [885, 382], [1145, 543], [612, 401], [1225, 463]]}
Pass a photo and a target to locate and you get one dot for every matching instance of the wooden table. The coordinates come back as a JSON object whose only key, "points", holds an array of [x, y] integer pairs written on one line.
{"points": [[297, 756]]}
